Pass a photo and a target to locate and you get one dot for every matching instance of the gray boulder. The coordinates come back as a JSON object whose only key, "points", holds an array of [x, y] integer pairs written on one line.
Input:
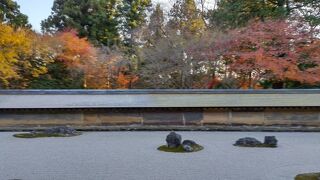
{"points": [[187, 148], [189, 142], [248, 141], [270, 141], [64, 130], [173, 140]]}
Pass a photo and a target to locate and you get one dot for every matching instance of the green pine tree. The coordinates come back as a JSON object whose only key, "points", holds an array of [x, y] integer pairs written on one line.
{"points": [[96, 20], [10, 14]]}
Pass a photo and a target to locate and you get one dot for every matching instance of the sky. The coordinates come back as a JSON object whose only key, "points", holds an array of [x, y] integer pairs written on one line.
{"points": [[38, 10]]}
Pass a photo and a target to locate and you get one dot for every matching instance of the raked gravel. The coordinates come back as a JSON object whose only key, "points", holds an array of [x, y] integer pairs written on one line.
{"points": [[134, 156]]}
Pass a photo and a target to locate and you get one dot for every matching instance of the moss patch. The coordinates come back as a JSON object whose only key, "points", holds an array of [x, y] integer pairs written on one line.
{"points": [[41, 135], [308, 176], [179, 149]]}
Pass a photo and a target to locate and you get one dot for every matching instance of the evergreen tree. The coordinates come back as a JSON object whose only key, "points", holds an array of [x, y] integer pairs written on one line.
{"points": [[133, 20], [185, 16], [231, 14], [10, 14], [133, 15], [96, 20], [156, 25]]}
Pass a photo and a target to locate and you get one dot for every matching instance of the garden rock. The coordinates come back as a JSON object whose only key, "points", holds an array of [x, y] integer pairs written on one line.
{"points": [[173, 140], [248, 141], [63, 130], [187, 148], [189, 142], [270, 141]]}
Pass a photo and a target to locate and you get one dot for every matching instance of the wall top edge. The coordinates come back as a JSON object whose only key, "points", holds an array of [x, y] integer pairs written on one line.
{"points": [[157, 91]]}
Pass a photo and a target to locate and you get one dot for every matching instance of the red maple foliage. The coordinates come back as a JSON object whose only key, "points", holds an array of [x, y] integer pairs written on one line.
{"points": [[271, 50], [74, 51]]}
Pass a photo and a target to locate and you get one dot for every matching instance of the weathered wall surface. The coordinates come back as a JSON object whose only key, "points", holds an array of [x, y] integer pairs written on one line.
{"points": [[162, 117]]}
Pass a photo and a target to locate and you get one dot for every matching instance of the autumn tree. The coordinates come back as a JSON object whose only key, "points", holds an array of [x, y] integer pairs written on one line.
{"points": [[165, 60], [265, 51], [168, 63], [73, 61], [110, 71], [113, 70], [205, 52], [13, 42], [21, 58], [309, 61]]}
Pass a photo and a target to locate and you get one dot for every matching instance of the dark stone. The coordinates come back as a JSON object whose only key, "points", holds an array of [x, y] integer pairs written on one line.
{"points": [[63, 130], [173, 140], [248, 141], [187, 148], [270, 141], [189, 142]]}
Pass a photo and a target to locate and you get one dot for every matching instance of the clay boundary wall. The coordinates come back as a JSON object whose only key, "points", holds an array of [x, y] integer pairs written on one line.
{"points": [[274, 110], [299, 119]]}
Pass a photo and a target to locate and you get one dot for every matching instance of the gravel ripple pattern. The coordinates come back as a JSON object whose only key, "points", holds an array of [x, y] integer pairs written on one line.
{"points": [[134, 156]]}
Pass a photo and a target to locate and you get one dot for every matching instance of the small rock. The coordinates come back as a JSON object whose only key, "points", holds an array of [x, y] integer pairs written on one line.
{"points": [[189, 142], [271, 141], [173, 140], [248, 141], [65, 130], [187, 148]]}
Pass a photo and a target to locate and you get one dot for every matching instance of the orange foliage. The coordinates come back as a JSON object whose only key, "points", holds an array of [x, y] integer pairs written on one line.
{"points": [[268, 50], [111, 71], [74, 51], [78, 54], [125, 80], [213, 83]]}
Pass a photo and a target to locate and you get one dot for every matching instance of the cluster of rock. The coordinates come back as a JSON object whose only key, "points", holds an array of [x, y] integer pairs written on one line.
{"points": [[269, 141], [60, 130], [174, 141]]}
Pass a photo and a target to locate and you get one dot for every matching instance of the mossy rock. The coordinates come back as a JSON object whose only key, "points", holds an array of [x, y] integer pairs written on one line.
{"points": [[308, 176], [43, 135], [179, 149]]}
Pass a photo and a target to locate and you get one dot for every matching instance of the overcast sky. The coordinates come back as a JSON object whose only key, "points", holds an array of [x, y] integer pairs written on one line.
{"points": [[38, 10]]}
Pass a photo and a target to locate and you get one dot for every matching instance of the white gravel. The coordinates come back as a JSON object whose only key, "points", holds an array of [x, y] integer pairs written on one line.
{"points": [[133, 156]]}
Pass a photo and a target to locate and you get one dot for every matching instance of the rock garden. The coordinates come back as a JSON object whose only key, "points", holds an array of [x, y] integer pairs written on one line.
{"points": [[176, 145], [269, 142], [62, 131]]}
